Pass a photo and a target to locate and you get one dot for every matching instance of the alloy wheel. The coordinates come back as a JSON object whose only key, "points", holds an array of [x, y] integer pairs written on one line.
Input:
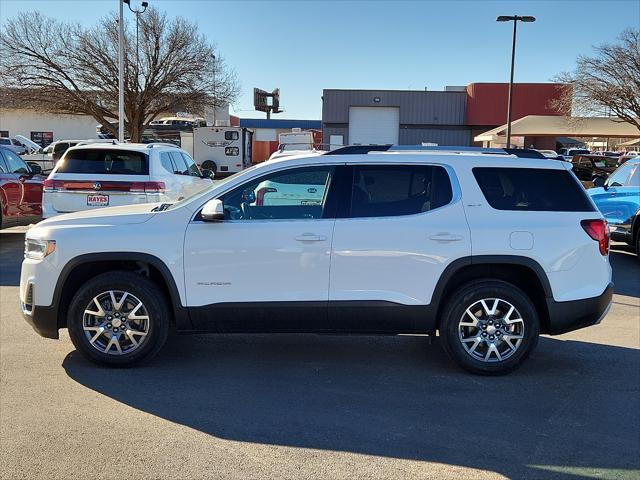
{"points": [[491, 330], [116, 322]]}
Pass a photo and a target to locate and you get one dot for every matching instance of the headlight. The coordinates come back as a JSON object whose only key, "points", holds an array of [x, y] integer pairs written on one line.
{"points": [[38, 249]]}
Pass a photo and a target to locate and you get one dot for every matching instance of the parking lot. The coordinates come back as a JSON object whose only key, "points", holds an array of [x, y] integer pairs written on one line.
{"points": [[309, 406]]}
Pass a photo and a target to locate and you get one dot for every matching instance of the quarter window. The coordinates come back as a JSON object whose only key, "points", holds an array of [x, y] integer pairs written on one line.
{"points": [[393, 190], [295, 194], [532, 189], [192, 168]]}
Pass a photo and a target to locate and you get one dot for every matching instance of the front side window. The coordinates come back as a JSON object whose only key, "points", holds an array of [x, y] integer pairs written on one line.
{"points": [[622, 176], [532, 189], [192, 168], [14, 163], [104, 161], [167, 164], [294, 194], [393, 190], [181, 165]]}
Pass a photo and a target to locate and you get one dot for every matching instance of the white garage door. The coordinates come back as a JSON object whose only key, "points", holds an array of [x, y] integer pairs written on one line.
{"points": [[373, 125]]}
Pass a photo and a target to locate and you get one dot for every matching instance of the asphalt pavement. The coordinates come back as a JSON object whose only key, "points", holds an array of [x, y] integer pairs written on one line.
{"points": [[311, 406]]}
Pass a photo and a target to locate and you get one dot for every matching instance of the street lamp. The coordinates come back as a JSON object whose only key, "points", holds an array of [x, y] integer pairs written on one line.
{"points": [[214, 89], [137, 13], [121, 73], [514, 19]]}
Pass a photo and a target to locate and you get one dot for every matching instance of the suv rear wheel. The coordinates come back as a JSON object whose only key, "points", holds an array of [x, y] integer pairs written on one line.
{"points": [[118, 318], [489, 327]]}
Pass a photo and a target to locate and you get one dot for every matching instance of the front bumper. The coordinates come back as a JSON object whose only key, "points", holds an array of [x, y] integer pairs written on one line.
{"points": [[573, 315]]}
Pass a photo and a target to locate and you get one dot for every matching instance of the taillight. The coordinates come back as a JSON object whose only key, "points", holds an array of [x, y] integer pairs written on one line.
{"points": [[261, 193], [147, 187], [598, 229], [53, 185]]}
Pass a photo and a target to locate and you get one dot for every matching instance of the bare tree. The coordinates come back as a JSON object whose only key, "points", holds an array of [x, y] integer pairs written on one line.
{"points": [[62, 67], [607, 83]]}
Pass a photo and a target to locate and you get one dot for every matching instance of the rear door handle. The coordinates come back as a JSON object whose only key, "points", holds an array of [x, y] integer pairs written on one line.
{"points": [[310, 237], [446, 237]]}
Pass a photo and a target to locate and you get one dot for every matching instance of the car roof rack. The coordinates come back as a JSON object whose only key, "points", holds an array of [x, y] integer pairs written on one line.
{"points": [[364, 149], [161, 144]]}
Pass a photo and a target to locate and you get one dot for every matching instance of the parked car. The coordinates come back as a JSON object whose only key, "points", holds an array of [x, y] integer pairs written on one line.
{"points": [[109, 174], [623, 158], [588, 167], [20, 190], [391, 248], [13, 145], [551, 154], [568, 153], [618, 198]]}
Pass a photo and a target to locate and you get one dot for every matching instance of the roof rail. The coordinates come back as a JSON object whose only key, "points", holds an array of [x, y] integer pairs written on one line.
{"points": [[363, 149], [161, 144]]}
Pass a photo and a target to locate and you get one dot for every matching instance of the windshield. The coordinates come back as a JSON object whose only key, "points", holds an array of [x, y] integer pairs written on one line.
{"points": [[215, 184], [625, 176]]}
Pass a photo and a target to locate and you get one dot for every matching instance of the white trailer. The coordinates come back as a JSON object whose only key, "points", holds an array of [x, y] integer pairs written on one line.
{"points": [[223, 150]]}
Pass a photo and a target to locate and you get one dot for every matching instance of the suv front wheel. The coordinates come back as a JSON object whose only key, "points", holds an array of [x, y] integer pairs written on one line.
{"points": [[489, 327], [118, 318]]}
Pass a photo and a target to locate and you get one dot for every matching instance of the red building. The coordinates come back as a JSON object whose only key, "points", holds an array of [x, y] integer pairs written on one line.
{"points": [[487, 106]]}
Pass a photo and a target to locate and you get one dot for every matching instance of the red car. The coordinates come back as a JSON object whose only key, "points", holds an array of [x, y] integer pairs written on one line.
{"points": [[20, 190]]}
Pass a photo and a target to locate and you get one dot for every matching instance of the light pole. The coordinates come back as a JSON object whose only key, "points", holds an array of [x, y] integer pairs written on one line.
{"points": [[137, 13], [214, 89], [121, 73], [514, 19]]}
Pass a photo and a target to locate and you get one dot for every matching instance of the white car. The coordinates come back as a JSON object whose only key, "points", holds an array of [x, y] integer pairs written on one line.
{"points": [[551, 154], [568, 153], [13, 144], [101, 175], [487, 249]]}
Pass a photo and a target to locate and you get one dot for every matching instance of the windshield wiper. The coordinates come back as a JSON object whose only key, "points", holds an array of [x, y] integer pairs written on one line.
{"points": [[162, 207]]}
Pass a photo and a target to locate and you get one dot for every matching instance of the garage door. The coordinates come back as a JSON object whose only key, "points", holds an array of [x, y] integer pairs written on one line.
{"points": [[373, 125]]}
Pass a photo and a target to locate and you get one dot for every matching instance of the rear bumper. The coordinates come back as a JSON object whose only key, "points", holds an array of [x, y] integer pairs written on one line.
{"points": [[568, 316], [44, 320]]}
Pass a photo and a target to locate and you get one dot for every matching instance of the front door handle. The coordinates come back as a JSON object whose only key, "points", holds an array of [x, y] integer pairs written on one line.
{"points": [[446, 237], [310, 237]]}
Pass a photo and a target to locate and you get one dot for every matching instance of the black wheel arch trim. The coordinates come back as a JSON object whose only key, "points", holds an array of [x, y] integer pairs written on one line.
{"points": [[181, 314]]}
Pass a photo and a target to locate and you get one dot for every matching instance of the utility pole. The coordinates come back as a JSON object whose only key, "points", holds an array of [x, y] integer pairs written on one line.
{"points": [[121, 73]]}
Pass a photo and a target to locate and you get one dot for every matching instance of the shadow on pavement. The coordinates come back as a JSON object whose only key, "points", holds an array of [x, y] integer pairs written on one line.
{"points": [[11, 253], [573, 409], [626, 270]]}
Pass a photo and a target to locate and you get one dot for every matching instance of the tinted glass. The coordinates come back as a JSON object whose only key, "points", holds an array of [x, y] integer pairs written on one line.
{"points": [[14, 163], [193, 169], [181, 165], [167, 164], [104, 162], [532, 189], [293, 194], [622, 176], [390, 190], [231, 135], [5, 141]]}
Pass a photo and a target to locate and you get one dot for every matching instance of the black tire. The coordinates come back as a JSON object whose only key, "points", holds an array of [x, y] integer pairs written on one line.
{"points": [[210, 165], [456, 308], [139, 286]]}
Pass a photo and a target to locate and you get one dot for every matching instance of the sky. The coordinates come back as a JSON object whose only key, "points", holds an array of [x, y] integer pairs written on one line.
{"points": [[303, 47]]}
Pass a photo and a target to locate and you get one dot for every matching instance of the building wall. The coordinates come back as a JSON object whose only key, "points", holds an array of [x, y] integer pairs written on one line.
{"points": [[23, 122], [425, 116], [487, 102]]}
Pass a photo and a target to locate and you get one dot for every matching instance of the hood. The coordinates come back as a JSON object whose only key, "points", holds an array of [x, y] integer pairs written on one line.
{"points": [[123, 215]]}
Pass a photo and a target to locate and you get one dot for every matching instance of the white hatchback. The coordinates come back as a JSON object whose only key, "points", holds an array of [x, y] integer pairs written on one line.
{"points": [[102, 175]]}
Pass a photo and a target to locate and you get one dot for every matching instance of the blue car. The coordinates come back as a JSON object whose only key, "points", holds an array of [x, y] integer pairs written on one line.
{"points": [[618, 198]]}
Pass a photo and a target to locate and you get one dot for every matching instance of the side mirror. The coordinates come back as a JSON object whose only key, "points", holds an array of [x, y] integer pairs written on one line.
{"points": [[599, 181], [206, 173], [36, 169], [213, 211]]}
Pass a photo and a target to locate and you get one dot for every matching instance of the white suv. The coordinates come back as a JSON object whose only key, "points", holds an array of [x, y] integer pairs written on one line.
{"points": [[101, 174], [487, 249]]}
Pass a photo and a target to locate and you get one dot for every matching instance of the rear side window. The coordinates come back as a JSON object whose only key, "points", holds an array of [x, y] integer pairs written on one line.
{"points": [[167, 164], [532, 189], [191, 165], [104, 162], [392, 190]]}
